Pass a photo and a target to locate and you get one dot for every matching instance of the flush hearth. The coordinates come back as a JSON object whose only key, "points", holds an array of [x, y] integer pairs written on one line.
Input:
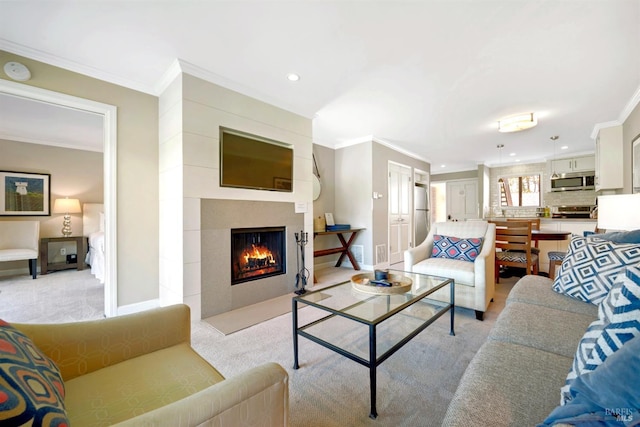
{"points": [[257, 253]]}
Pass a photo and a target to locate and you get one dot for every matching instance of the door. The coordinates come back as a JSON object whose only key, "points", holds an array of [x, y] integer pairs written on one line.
{"points": [[400, 193], [462, 200], [420, 213]]}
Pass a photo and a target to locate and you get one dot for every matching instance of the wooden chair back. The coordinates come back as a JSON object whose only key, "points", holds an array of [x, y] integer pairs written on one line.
{"points": [[535, 225], [514, 237]]}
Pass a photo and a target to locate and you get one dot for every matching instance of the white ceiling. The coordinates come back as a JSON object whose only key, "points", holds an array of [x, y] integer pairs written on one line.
{"points": [[428, 77]]}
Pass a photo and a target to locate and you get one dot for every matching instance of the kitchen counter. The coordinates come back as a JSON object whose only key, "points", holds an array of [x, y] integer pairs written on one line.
{"points": [[544, 219]]}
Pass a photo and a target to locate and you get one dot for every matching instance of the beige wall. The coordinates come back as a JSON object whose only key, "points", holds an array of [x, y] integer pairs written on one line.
{"points": [[74, 173], [137, 165], [630, 130], [359, 171]]}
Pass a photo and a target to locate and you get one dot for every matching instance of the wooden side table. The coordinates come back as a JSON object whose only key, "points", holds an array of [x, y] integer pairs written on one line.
{"points": [[81, 251]]}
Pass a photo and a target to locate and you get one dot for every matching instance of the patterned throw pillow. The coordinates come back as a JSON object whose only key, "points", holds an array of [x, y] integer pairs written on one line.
{"points": [[591, 266], [456, 248], [618, 322], [31, 388]]}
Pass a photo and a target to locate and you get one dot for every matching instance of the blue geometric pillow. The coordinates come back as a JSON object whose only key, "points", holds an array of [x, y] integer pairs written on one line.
{"points": [[456, 248], [591, 266], [618, 322]]}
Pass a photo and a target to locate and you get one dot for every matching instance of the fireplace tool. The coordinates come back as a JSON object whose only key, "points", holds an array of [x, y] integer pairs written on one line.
{"points": [[303, 274]]}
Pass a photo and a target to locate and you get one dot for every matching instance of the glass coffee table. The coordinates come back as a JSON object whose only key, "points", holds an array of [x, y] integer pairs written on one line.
{"points": [[368, 328]]}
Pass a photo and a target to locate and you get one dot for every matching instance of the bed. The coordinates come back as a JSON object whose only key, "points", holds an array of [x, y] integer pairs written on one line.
{"points": [[93, 230]]}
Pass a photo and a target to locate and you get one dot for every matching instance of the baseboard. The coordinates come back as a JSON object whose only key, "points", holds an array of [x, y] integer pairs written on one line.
{"points": [[138, 307]]}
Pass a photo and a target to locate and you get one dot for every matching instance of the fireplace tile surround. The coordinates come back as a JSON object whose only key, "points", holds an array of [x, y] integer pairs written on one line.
{"points": [[218, 217]]}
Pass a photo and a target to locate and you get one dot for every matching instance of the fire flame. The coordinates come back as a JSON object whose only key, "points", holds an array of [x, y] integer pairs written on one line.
{"points": [[259, 253]]}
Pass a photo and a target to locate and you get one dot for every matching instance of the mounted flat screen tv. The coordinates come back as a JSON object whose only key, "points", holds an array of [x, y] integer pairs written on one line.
{"points": [[250, 161]]}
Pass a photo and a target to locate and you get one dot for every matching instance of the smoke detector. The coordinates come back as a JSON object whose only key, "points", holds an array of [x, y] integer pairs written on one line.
{"points": [[17, 71]]}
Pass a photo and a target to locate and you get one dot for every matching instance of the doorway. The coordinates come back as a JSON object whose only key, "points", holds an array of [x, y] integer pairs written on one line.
{"points": [[462, 200], [108, 112], [399, 211]]}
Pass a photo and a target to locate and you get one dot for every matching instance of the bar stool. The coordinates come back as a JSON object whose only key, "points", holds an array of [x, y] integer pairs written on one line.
{"points": [[555, 259]]}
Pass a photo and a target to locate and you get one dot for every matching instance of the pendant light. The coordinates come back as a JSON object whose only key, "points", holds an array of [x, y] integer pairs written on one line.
{"points": [[554, 175], [500, 147]]}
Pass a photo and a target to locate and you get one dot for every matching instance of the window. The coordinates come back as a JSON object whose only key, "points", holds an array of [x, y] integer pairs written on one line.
{"points": [[520, 190]]}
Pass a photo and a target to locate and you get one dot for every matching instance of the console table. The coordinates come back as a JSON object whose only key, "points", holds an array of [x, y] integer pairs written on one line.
{"points": [[342, 250]]}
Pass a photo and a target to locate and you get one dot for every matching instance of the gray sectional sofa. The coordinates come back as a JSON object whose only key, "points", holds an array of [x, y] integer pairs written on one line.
{"points": [[515, 377]]}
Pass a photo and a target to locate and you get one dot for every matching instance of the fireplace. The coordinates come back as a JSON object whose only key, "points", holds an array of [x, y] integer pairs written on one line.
{"points": [[257, 253]]}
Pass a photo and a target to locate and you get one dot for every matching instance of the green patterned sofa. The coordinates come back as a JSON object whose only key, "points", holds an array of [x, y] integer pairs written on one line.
{"points": [[140, 370]]}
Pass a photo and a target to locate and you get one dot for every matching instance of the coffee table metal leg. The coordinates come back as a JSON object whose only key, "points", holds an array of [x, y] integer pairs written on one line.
{"points": [[294, 315], [372, 371], [452, 287]]}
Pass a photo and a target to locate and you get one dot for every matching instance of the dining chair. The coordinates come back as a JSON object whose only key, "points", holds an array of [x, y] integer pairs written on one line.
{"points": [[535, 225], [513, 246]]}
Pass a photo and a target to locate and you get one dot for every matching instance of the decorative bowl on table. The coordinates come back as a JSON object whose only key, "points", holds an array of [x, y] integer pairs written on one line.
{"points": [[394, 284]]}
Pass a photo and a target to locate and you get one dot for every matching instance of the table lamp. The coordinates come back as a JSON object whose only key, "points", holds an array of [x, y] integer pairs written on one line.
{"points": [[66, 206], [619, 212]]}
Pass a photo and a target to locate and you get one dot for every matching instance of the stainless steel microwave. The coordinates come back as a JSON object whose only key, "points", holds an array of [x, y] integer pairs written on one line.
{"points": [[574, 181]]}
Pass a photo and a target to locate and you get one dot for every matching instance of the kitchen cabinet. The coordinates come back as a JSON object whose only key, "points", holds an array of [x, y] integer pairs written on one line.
{"points": [[574, 164], [609, 161], [576, 227]]}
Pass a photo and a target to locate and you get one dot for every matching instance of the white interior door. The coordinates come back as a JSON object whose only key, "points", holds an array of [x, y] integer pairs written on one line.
{"points": [[400, 193], [462, 200]]}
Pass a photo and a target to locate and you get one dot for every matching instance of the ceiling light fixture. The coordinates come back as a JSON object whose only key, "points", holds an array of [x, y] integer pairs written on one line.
{"points": [[500, 147], [517, 123], [554, 175], [293, 77]]}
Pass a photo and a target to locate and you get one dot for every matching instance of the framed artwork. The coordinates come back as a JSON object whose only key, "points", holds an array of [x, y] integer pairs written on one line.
{"points": [[25, 194], [635, 165], [282, 184], [329, 218]]}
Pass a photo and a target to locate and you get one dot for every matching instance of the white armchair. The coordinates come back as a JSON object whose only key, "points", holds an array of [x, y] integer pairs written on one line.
{"points": [[474, 281], [19, 241]]}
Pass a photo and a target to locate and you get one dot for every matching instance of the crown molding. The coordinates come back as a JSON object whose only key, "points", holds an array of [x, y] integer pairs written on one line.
{"points": [[371, 138], [168, 77], [211, 77], [48, 142], [624, 114], [76, 67]]}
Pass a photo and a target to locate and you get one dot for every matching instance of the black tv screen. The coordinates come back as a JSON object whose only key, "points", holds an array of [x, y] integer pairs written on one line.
{"points": [[250, 161]]}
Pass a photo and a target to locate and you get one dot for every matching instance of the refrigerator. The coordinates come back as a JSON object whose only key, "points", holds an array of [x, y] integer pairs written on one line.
{"points": [[421, 215]]}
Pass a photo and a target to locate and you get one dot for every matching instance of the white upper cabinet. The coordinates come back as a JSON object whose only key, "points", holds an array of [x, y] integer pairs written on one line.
{"points": [[574, 164], [609, 171]]}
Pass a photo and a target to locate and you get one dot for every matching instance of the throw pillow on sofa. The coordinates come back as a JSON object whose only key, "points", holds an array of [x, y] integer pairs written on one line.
{"points": [[618, 322], [31, 387], [591, 266], [607, 396], [456, 248]]}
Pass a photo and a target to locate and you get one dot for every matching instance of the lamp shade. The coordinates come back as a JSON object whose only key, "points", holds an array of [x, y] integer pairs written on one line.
{"points": [[66, 205], [619, 212], [517, 122]]}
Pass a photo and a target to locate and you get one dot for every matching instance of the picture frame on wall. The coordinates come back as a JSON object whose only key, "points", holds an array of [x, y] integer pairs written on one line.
{"points": [[635, 165], [25, 194]]}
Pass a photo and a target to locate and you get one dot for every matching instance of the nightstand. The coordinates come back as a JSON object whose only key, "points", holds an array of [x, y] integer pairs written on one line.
{"points": [[81, 251]]}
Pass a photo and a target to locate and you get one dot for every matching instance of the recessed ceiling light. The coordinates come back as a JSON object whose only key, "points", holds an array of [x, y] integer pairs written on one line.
{"points": [[512, 154], [443, 166], [564, 147], [293, 77]]}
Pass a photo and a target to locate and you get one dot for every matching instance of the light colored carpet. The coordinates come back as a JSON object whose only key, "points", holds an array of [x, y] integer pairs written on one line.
{"points": [[62, 296], [415, 385]]}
